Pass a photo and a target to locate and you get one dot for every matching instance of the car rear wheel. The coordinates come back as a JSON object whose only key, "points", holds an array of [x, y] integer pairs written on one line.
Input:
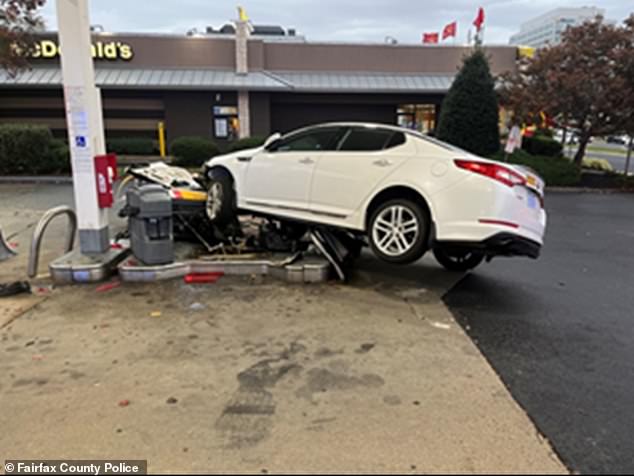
{"points": [[220, 206], [398, 231], [458, 259]]}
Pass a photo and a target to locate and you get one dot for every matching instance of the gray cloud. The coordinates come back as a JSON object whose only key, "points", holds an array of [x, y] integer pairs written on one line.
{"points": [[330, 20]]}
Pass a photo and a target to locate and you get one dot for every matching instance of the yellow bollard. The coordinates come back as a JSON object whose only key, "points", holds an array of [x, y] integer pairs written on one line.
{"points": [[161, 138]]}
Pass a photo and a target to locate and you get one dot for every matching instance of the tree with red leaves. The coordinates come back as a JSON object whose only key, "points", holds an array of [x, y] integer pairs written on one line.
{"points": [[626, 64], [584, 83], [19, 20]]}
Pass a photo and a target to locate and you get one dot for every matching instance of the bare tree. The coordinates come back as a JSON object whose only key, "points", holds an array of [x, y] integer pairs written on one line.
{"points": [[19, 20]]}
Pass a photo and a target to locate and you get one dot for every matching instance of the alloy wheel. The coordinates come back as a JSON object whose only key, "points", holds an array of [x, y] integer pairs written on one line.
{"points": [[395, 230]]}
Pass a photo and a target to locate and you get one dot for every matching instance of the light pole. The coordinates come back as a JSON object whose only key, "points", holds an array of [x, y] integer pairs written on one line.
{"points": [[630, 145], [84, 121]]}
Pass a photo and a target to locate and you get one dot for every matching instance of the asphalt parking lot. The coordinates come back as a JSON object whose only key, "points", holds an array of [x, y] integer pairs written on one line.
{"points": [[560, 330]]}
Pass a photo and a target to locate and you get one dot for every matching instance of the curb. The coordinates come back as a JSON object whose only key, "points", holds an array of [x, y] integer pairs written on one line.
{"points": [[46, 179]]}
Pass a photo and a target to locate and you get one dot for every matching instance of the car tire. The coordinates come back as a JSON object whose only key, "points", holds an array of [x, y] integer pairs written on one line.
{"points": [[220, 205], [398, 231], [454, 259]]}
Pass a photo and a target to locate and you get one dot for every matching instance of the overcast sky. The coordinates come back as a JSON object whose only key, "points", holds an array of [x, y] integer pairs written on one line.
{"points": [[331, 20]]}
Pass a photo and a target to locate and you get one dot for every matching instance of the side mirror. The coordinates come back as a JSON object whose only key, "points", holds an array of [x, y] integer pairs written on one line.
{"points": [[272, 139]]}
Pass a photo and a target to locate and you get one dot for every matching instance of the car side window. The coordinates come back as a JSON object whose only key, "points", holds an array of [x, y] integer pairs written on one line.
{"points": [[368, 140], [315, 140], [398, 138]]}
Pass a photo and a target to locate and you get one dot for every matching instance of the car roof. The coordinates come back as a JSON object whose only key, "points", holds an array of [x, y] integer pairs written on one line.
{"points": [[369, 125]]}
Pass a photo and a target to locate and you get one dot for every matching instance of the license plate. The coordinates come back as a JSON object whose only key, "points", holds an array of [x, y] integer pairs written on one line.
{"points": [[531, 201]]}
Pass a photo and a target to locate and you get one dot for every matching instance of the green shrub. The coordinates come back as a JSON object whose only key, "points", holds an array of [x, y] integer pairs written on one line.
{"points": [[132, 146], [469, 117], [545, 133], [627, 182], [556, 171], [192, 151], [246, 143], [542, 145], [58, 161], [31, 150]]}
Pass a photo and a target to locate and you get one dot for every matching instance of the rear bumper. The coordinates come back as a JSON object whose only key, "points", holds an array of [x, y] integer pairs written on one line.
{"points": [[500, 244]]}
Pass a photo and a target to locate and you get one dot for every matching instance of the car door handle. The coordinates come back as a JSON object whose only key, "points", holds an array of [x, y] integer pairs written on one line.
{"points": [[382, 162], [307, 161]]}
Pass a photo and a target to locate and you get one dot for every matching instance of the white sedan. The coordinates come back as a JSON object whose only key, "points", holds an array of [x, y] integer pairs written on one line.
{"points": [[405, 191]]}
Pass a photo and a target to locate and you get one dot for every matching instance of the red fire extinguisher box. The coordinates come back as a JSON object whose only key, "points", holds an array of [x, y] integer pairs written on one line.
{"points": [[105, 174]]}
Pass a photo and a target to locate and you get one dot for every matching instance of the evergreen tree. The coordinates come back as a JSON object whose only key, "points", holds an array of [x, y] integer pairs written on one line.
{"points": [[469, 117]]}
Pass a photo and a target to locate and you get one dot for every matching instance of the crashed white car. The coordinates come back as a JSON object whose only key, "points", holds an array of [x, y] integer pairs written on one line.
{"points": [[408, 193]]}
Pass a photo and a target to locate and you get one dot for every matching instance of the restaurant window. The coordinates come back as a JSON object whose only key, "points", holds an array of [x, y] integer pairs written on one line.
{"points": [[226, 124], [418, 117]]}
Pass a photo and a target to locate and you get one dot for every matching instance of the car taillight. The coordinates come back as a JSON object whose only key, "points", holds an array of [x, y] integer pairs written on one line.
{"points": [[495, 171]]}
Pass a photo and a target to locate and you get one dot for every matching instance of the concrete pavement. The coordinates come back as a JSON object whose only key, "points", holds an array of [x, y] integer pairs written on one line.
{"points": [[263, 377]]}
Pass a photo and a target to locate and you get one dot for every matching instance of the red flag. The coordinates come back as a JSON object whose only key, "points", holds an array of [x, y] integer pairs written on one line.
{"points": [[479, 21], [430, 37], [450, 30]]}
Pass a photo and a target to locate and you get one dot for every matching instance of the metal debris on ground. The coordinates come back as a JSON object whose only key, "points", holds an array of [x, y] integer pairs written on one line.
{"points": [[197, 307], [440, 325], [108, 286], [203, 278], [12, 289]]}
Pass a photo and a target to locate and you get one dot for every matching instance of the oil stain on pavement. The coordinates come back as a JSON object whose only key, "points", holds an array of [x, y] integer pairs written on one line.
{"points": [[247, 418]]}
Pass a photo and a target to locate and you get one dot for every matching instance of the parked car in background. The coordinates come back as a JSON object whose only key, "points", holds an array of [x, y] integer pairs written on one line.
{"points": [[615, 140], [571, 136], [405, 192]]}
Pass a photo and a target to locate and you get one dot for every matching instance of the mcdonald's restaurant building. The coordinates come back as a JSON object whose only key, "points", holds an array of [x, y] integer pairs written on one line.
{"points": [[225, 86]]}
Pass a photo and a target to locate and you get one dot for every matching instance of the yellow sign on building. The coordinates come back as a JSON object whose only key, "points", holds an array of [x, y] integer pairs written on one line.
{"points": [[112, 50], [525, 52]]}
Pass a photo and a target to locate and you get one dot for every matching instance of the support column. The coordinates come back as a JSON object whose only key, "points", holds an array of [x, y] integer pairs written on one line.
{"points": [[242, 49], [84, 120], [242, 68], [244, 114]]}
